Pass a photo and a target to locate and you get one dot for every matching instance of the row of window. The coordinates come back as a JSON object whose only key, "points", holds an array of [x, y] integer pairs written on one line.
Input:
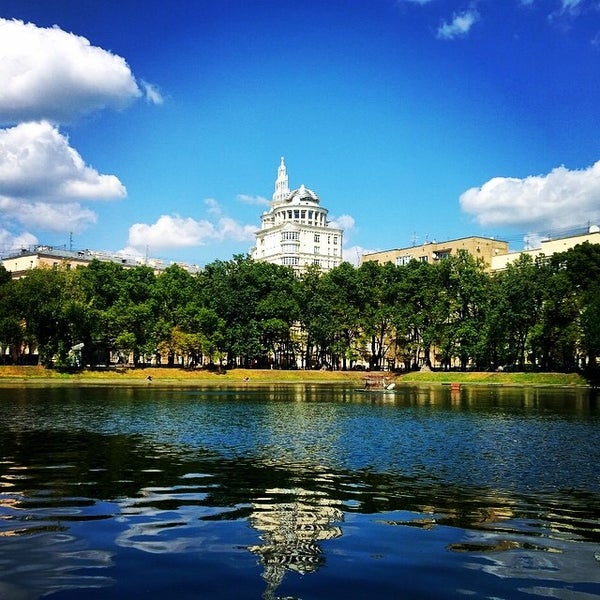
{"points": [[404, 260], [294, 236], [302, 214], [335, 239], [293, 261]]}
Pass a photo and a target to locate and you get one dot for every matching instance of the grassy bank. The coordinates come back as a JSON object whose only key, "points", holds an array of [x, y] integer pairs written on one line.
{"points": [[11, 374], [540, 379]]}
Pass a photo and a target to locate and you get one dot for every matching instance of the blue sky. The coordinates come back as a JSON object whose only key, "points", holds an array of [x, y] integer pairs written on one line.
{"points": [[157, 127]]}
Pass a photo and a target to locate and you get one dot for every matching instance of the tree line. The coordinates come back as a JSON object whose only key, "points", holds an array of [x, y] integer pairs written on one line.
{"points": [[542, 314]]}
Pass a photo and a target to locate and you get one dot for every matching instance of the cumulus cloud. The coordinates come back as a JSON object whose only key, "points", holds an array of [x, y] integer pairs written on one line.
{"points": [[60, 217], [354, 254], [173, 231], [345, 222], [10, 242], [253, 200], [47, 73], [152, 93], [213, 207], [560, 199], [37, 162], [43, 180], [459, 26]]}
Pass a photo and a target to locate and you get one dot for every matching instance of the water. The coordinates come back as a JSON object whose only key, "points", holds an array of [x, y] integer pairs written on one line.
{"points": [[299, 492]]}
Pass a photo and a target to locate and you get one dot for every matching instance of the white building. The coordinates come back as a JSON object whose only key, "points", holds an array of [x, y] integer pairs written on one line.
{"points": [[295, 230]]}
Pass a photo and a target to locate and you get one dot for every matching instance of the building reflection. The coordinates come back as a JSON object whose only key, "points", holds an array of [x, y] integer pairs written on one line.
{"points": [[292, 524]]}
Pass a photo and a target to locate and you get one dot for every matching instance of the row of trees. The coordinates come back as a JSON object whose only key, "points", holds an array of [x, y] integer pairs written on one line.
{"points": [[543, 314]]}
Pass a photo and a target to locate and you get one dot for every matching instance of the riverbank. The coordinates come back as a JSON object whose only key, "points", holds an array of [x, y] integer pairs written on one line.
{"points": [[175, 376]]}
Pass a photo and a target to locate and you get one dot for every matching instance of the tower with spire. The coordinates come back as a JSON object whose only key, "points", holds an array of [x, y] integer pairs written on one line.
{"points": [[295, 230], [282, 189]]}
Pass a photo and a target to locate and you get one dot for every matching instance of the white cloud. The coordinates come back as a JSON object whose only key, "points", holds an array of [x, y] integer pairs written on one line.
{"points": [[571, 5], [152, 93], [37, 162], [253, 200], [213, 207], [354, 254], [173, 231], [558, 200], [229, 229], [345, 222], [43, 179], [47, 73], [459, 26], [10, 242], [69, 216]]}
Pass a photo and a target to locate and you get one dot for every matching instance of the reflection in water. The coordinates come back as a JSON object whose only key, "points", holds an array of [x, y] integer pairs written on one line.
{"points": [[292, 523], [499, 489]]}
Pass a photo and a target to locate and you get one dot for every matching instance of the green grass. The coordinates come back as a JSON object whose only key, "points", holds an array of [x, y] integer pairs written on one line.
{"points": [[476, 377], [178, 376]]}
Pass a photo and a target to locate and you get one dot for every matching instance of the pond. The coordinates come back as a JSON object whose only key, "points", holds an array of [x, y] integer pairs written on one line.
{"points": [[299, 491]]}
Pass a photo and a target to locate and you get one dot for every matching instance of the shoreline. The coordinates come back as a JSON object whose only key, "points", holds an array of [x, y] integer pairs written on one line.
{"points": [[184, 377]]}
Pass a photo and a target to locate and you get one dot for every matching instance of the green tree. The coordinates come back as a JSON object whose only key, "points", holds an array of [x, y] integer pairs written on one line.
{"points": [[582, 266], [466, 294], [417, 313], [11, 324], [134, 314], [341, 290], [516, 311], [54, 313], [377, 291]]}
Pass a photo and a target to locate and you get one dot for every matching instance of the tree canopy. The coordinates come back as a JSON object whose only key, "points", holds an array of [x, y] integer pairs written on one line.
{"points": [[448, 314]]}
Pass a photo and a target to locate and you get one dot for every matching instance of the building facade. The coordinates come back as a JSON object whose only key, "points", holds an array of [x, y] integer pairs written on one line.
{"points": [[48, 257], [431, 252], [548, 247], [295, 231]]}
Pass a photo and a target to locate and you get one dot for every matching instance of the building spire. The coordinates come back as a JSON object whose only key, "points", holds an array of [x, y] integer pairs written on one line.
{"points": [[282, 189]]}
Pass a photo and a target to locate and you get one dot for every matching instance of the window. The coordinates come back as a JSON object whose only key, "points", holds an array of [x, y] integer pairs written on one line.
{"points": [[404, 260], [317, 237], [317, 250]]}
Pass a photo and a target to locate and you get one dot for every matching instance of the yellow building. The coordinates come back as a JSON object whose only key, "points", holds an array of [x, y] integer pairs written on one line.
{"points": [[431, 252], [547, 248], [48, 257]]}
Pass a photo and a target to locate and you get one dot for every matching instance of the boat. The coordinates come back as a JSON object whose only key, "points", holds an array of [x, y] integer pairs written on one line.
{"points": [[377, 385]]}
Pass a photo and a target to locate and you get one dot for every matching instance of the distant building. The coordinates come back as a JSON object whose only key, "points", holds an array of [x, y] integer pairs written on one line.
{"points": [[548, 247], [48, 257], [295, 230], [431, 252]]}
